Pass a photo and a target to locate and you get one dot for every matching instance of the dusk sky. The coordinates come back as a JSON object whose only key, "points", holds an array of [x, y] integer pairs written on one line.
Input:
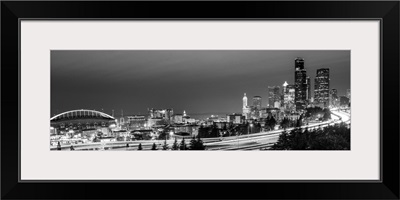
{"points": [[197, 81]]}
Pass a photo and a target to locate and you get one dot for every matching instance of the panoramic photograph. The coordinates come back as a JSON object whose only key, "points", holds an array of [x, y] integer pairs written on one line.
{"points": [[202, 100]]}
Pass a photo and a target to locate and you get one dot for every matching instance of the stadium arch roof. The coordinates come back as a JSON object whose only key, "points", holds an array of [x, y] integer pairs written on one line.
{"points": [[82, 113]]}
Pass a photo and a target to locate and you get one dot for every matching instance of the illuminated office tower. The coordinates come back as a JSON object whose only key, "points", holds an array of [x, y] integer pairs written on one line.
{"points": [[274, 96], [321, 89], [333, 98], [308, 95], [255, 111], [300, 84], [285, 84], [257, 102], [246, 108], [244, 101], [288, 97]]}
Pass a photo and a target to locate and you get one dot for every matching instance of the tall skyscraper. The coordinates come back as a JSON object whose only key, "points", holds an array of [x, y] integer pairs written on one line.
{"points": [[333, 98], [257, 102], [246, 108], [255, 111], [288, 97], [308, 95], [285, 84], [284, 91], [291, 96], [274, 96], [300, 83], [321, 89], [244, 101]]}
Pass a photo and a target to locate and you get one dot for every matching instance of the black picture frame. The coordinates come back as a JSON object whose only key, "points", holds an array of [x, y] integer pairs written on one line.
{"points": [[13, 11]]}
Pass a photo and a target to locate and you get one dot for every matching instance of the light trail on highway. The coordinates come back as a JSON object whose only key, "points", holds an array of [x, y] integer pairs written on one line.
{"points": [[242, 142], [265, 139]]}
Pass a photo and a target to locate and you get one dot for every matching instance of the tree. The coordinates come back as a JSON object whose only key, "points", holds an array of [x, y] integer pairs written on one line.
{"points": [[192, 144], [182, 145], [59, 146], [327, 115], [299, 139], [270, 123], [285, 123], [283, 142], [299, 121], [331, 142], [203, 131], [200, 145], [140, 147], [154, 147], [294, 140], [196, 144], [273, 123], [329, 138], [165, 146], [313, 112], [257, 127], [163, 135], [175, 146], [214, 132]]}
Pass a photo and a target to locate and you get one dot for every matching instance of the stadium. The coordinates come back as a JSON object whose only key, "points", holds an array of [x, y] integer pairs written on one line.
{"points": [[81, 120]]}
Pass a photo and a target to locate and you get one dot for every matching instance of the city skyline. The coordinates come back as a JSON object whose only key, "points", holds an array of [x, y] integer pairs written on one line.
{"points": [[198, 81]]}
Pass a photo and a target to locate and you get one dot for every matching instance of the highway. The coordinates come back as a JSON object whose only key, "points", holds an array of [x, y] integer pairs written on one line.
{"points": [[267, 139], [255, 141]]}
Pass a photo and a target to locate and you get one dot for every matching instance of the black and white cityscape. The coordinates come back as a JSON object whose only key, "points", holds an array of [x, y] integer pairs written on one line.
{"points": [[203, 100]]}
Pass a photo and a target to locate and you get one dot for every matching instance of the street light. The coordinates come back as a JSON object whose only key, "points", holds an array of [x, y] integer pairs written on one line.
{"points": [[171, 133], [250, 127]]}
